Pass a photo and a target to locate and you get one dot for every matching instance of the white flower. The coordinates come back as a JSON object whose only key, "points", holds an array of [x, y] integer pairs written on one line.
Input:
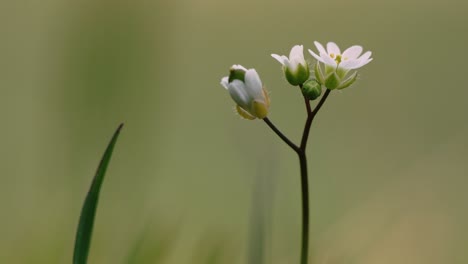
{"points": [[350, 59], [337, 64], [295, 67], [246, 89]]}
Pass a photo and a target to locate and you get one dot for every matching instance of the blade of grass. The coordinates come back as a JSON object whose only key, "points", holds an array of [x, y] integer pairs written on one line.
{"points": [[263, 191], [88, 212]]}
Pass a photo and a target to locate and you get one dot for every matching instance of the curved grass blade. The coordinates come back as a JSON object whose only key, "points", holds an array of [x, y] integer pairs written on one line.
{"points": [[86, 222]]}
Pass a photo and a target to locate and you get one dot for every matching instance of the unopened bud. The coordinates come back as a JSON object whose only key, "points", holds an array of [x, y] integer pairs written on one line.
{"points": [[311, 89]]}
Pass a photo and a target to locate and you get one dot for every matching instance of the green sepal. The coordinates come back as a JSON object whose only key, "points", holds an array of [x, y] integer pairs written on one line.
{"points": [[329, 69], [236, 74], [333, 81], [318, 73], [299, 76], [348, 82], [342, 72]]}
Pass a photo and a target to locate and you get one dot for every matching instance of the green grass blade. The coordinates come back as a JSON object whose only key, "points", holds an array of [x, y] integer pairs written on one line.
{"points": [[86, 222], [259, 245]]}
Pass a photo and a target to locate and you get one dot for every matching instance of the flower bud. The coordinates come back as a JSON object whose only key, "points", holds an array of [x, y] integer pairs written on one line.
{"points": [[246, 89], [311, 89], [296, 69]]}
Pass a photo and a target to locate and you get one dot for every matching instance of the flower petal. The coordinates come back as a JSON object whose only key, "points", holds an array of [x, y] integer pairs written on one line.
{"points": [[365, 62], [238, 93], [296, 52], [364, 59], [320, 48], [328, 60], [253, 85], [317, 57], [238, 67], [365, 56], [225, 82], [350, 64], [352, 53], [332, 48], [279, 58]]}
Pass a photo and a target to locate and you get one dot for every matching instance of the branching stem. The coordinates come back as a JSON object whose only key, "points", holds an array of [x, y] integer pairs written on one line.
{"points": [[301, 152]]}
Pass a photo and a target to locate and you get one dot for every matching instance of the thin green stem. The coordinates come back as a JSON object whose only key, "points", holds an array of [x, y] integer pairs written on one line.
{"points": [[301, 152], [305, 207], [281, 135], [310, 117]]}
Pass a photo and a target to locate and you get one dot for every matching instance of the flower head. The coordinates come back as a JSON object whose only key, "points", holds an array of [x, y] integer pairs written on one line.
{"points": [[337, 64], [350, 59], [246, 89], [295, 67]]}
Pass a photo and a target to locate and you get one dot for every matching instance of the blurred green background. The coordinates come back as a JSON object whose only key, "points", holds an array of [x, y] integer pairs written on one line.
{"points": [[388, 156]]}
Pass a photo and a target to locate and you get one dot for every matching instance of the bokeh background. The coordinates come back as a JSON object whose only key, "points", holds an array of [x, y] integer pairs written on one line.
{"points": [[190, 182]]}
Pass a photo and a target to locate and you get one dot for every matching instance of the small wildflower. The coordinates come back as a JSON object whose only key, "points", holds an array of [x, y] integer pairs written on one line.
{"points": [[295, 67], [337, 64], [246, 89]]}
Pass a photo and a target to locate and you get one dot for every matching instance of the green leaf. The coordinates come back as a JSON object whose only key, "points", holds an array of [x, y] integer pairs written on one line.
{"points": [[88, 212]]}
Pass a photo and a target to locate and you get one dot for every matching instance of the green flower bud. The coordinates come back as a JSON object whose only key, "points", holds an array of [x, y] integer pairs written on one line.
{"points": [[312, 89]]}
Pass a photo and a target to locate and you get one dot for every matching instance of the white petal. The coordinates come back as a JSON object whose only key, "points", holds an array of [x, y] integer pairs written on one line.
{"points": [[365, 62], [253, 85], [365, 56], [327, 59], [320, 48], [238, 67], [297, 52], [297, 57], [364, 59], [238, 93], [295, 63], [317, 57], [352, 53], [225, 82], [279, 58], [350, 64], [358, 63], [332, 48]]}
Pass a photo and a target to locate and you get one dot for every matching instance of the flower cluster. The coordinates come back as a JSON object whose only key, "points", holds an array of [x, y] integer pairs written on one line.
{"points": [[333, 70]]}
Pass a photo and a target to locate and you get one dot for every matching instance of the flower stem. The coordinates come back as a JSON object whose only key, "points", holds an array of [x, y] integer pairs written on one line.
{"points": [[281, 135], [301, 152], [305, 207], [310, 117]]}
